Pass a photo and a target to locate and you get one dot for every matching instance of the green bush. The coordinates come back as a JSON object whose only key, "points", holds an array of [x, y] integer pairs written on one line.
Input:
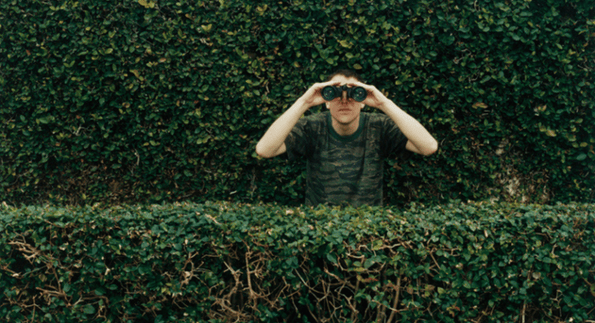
{"points": [[147, 101], [222, 262]]}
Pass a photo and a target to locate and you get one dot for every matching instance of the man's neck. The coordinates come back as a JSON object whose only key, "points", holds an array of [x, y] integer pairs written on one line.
{"points": [[346, 129]]}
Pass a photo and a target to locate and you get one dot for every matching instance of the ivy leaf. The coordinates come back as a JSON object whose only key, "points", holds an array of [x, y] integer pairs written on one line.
{"points": [[89, 309], [331, 257], [346, 44], [145, 4]]}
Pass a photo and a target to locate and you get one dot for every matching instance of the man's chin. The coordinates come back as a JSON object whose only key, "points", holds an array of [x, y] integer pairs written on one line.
{"points": [[344, 120]]}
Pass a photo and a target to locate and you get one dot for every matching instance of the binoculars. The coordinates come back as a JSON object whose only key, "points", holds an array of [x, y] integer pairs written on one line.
{"points": [[357, 93]]}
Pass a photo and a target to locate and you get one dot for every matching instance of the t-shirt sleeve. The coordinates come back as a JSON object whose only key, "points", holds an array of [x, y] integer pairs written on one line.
{"points": [[393, 141], [297, 142]]}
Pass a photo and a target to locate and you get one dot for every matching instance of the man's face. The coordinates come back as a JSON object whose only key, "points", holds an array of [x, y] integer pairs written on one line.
{"points": [[344, 110]]}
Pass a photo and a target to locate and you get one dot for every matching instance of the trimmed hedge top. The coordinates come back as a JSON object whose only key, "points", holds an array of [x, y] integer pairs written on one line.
{"points": [[222, 262]]}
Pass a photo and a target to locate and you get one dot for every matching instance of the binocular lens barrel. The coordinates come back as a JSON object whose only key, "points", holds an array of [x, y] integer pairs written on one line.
{"points": [[328, 93], [358, 94]]}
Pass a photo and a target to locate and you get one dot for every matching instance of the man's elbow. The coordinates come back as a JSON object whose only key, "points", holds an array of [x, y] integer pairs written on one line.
{"points": [[430, 149], [262, 152]]}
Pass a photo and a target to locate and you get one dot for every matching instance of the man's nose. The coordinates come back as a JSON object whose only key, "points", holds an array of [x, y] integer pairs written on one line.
{"points": [[344, 95]]}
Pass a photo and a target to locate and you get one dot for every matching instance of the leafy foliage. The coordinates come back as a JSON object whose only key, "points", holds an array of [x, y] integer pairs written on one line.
{"points": [[228, 262], [148, 101]]}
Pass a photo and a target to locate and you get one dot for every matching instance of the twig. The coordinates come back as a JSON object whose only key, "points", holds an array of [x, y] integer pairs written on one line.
{"points": [[396, 301], [523, 312], [437, 265], [355, 311]]}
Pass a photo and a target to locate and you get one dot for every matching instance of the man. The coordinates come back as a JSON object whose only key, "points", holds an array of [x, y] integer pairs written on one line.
{"points": [[345, 148]]}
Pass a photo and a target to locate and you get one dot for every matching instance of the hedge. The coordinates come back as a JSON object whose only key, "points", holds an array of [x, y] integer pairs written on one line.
{"points": [[223, 262], [120, 101]]}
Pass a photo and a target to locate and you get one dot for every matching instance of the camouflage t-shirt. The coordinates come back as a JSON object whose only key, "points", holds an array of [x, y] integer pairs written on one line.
{"points": [[344, 169]]}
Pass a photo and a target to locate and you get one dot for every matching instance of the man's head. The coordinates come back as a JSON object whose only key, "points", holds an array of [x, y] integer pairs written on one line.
{"points": [[347, 73], [345, 111]]}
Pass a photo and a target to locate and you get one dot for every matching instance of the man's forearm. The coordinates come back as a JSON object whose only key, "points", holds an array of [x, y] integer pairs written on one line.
{"points": [[417, 134], [274, 139]]}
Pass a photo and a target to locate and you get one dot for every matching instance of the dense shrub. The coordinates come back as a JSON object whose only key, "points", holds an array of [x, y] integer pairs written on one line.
{"points": [[227, 263], [143, 101]]}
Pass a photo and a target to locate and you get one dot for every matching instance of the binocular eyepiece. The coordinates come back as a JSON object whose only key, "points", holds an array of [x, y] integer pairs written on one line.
{"points": [[357, 93]]}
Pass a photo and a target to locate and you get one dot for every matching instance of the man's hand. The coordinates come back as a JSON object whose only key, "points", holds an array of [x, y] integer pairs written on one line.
{"points": [[375, 98], [313, 95]]}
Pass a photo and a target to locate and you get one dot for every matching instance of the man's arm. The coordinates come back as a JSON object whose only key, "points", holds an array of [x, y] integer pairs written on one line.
{"points": [[273, 142], [419, 139]]}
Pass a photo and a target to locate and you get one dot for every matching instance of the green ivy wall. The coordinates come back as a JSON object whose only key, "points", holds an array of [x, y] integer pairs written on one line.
{"points": [[147, 101]]}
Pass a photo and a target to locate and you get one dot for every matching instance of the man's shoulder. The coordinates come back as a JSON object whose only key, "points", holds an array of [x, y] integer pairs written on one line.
{"points": [[375, 117], [312, 125], [378, 121], [316, 117], [307, 131], [314, 122]]}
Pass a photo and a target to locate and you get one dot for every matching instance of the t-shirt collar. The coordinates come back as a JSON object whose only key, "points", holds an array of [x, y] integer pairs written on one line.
{"points": [[355, 135]]}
